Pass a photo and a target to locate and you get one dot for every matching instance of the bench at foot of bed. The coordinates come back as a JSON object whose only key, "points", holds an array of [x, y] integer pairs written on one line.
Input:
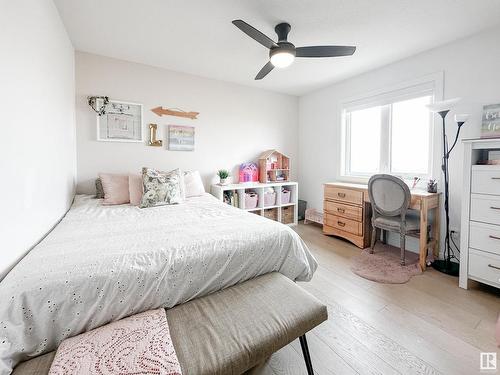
{"points": [[233, 330]]}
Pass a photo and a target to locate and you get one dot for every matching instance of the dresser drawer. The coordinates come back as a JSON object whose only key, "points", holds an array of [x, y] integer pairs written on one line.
{"points": [[344, 210], [485, 237], [484, 266], [344, 195], [486, 181], [341, 223], [485, 208]]}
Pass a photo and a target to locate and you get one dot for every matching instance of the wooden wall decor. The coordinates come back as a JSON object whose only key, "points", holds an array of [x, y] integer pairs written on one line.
{"points": [[160, 111], [152, 136]]}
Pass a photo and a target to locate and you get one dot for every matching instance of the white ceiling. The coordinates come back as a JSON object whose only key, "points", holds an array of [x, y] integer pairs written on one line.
{"points": [[197, 37]]}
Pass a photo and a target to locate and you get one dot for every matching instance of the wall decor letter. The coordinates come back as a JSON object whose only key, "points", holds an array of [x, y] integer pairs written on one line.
{"points": [[152, 136]]}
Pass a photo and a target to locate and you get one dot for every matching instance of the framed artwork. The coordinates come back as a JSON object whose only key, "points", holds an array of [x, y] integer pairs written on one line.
{"points": [[490, 125], [180, 138], [121, 122]]}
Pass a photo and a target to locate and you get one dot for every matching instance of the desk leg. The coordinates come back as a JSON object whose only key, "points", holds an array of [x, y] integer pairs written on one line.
{"points": [[423, 233], [436, 231]]}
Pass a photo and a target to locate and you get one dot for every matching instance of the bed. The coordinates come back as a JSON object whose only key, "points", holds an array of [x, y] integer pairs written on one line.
{"points": [[103, 263]]}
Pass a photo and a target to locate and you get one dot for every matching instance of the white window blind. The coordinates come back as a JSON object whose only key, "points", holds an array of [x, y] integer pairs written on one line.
{"points": [[389, 133]]}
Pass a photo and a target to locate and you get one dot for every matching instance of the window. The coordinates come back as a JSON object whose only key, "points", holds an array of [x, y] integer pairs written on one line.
{"points": [[390, 134]]}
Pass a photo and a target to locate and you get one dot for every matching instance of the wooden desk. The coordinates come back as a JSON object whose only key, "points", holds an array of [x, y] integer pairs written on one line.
{"points": [[347, 212]]}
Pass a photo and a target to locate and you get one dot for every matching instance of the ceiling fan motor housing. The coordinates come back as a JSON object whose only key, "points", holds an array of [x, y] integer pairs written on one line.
{"points": [[282, 29]]}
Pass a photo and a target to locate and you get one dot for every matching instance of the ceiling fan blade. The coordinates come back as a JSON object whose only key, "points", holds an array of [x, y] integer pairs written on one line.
{"points": [[324, 51], [264, 71], [255, 34]]}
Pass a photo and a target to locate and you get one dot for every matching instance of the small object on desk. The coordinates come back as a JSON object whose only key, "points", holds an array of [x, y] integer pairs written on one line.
{"points": [[415, 182], [432, 186]]}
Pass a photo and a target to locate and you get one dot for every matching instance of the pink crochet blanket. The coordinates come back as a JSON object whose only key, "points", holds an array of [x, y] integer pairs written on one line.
{"points": [[139, 344]]}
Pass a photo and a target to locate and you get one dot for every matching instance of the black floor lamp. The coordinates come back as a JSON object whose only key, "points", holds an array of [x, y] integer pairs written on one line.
{"points": [[442, 108]]}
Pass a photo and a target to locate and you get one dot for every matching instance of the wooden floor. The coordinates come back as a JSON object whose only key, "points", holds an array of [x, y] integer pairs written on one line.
{"points": [[426, 326]]}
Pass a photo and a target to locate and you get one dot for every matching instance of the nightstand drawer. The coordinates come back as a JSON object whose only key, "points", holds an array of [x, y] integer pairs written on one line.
{"points": [[485, 237], [484, 266], [343, 195], [346, 225], [485, 208], [486, 182], [344, 210]]}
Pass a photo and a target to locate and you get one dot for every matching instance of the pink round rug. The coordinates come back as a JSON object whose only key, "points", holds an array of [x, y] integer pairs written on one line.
{"points": [[383, 266]]}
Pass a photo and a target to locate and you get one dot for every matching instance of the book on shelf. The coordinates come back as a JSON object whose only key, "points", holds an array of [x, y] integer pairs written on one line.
{"points": [[231, 198]]}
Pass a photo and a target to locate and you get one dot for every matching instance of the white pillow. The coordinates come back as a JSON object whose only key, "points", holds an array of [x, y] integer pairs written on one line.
{"points": [[193, 186]]}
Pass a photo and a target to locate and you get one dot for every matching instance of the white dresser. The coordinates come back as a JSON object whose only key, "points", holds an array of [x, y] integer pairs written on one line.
{"points": [[480, 229]]}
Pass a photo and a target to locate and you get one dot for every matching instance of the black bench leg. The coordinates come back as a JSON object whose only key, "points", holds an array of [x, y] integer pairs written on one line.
{"points": [[307, 356]]}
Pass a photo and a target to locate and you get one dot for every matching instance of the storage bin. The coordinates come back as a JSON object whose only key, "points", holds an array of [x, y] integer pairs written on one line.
{"points": [[285, 196], [251, 200], [271, 213], [269, 199], [287, 215]]}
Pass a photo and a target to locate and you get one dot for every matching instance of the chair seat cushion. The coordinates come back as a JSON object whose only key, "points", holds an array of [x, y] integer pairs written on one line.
{"points": [[393, 223]]}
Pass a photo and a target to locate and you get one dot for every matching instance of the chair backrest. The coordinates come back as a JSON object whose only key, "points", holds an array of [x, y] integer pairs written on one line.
{"points": [[389, 195]]}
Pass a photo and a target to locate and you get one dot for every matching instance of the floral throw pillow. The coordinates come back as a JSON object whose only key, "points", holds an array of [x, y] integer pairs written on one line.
{"points": [[161, 188]]}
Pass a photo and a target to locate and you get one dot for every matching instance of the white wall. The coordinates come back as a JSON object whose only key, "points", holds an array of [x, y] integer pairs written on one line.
{"points": [[471, 71], [235, 124], [37, 143]]}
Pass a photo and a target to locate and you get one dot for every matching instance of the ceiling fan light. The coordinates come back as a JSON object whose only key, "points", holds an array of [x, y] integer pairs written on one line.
{"points": [[282, 59]]}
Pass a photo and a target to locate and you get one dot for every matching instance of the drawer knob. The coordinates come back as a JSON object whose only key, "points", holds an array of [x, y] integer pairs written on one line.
{"points": [[341, 224], [495, 178], [492, 266], [494, 237], [341, 195], [341, 210], [495, 208]]}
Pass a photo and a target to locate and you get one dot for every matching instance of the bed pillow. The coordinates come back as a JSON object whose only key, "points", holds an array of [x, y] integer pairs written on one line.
{"points": [[135, 189], [99, 192], [161, 188], [193, 186], [115, 188]]}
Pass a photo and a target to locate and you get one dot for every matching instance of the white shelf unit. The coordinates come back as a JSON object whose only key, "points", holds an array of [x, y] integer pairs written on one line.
{"points": [[259, 188]]}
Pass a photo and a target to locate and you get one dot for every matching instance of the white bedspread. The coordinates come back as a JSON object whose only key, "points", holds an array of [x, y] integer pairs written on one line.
{"points": [[104, 263]]}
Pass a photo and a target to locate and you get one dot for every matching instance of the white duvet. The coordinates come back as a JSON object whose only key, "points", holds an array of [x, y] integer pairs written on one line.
{"points": [[102, 263]]}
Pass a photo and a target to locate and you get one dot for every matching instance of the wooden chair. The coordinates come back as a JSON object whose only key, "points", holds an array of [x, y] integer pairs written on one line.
{"points": [[390, 198]]}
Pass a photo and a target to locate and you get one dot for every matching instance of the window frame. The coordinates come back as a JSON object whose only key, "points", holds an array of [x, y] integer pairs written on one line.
{"points": [[427, 86]]}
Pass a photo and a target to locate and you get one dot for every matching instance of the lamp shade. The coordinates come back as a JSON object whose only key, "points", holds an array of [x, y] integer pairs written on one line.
{"points": [[463, 117], [444, 105]]}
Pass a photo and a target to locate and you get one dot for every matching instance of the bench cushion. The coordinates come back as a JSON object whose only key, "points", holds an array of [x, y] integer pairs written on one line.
{"points": [[232, 330]]}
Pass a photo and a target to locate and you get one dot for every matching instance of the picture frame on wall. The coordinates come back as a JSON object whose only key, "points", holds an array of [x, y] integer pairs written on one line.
{"points": [[121, 122], [180, 138], [490, 125]]}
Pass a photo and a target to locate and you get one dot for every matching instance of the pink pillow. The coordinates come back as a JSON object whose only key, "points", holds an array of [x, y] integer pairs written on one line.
{"points": [[115, 188], [135, 189]]}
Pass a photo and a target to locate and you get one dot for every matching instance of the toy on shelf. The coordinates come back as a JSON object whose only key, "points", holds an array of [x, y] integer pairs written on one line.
{"points": [[249, 172], [274, 167]]}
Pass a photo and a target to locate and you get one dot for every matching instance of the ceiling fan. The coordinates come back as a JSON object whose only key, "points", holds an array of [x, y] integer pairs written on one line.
{"points": [[282, 53]]}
